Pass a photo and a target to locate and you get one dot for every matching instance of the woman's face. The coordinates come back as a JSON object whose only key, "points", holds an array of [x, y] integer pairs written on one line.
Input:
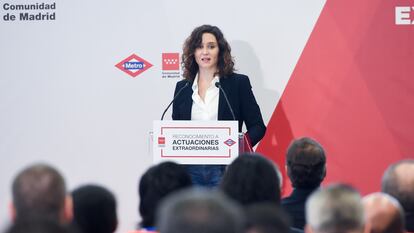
{"points": [[206, 55]]}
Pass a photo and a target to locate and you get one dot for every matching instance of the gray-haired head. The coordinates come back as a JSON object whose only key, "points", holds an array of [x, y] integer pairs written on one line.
{"points": [[335, 209], [383, 213], [398, 181], [201, 211]]}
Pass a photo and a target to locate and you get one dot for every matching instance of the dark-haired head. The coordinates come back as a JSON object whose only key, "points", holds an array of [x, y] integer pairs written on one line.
{"points": [[252, 178], [94, 209], [158, 182], [225, 64], [305, 160]]}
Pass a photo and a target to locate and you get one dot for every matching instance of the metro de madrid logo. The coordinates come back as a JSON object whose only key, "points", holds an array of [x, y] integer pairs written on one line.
{"points": [[229, 142], [134, 65]]}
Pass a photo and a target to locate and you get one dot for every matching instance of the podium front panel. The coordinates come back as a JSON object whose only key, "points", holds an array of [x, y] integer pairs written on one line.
{"points": [[195, 142]]}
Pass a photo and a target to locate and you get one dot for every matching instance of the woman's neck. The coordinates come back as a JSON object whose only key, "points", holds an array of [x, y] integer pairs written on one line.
{"points": [[206, 74]]}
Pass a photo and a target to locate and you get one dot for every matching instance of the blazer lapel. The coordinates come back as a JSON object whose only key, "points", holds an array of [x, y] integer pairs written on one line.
{"points": [[187, 104], [222, 101]]}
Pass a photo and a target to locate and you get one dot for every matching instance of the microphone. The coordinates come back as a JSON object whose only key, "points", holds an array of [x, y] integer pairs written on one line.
{"points": [[218, 85], [175, 97]]}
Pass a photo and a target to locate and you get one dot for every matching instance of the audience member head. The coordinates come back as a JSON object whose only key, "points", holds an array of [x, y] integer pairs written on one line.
{"points": [[398, 181], [306, 163], [383, 214], [94, 209], [252, 178], [199, 210], [265, 218], [156, 183], [38, 225], [335, 209], [39, 190]]}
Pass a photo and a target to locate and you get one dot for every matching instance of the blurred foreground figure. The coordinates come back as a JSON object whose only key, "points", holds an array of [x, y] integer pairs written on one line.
{"points": [[39, 191], [265, 218], [94, 209], [383, 214], [39, 225], [252, 178], [335, 209], [199, 211], [157, 183], [398, 181]]}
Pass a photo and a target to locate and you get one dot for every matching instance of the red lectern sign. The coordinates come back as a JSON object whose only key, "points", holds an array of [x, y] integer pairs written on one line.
{"points": [[195, 142]]}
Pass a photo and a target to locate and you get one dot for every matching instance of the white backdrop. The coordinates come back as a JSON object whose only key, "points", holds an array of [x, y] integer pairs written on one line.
{"points": [[63, 101]]}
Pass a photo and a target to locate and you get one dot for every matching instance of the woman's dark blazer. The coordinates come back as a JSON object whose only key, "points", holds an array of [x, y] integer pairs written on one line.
{"points": [[241, 98]]}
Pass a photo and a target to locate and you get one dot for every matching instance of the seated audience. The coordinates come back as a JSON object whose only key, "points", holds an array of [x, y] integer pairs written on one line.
{"points": [[94, 209], [335, 209], [306, 169], [383, 214], [199, 211], [398, 181]]}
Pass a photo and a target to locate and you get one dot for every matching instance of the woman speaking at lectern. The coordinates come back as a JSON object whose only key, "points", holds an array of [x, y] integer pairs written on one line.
{"points": [[208, 66]]}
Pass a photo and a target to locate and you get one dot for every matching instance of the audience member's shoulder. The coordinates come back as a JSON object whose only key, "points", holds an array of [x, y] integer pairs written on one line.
{"points": [[142, 231], [296, 230], [286, 200], [39, 225]]}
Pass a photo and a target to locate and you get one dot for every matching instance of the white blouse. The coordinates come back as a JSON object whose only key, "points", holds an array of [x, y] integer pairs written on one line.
{"points": [[207, 109]]}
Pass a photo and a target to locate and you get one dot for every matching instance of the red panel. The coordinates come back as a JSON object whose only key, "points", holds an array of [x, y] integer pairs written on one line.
{"points": [[353, 91]]}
